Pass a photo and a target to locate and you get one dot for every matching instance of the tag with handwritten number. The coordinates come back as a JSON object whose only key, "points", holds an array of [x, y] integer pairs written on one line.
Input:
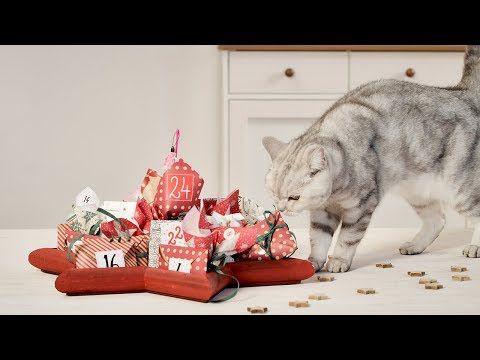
{"points": [[181, 265], [110, 258]]}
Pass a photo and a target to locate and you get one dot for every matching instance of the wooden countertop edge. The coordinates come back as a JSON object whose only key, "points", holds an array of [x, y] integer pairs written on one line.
{"points": [[459, 48]]}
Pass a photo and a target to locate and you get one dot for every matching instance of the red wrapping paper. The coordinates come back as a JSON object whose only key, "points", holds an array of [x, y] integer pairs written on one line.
{"points": [[178, 190], [198, 258], [243, 240]]}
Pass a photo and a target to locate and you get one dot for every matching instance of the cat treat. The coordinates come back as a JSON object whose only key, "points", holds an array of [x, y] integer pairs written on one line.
{"points": [[426, 281], [434, 286], [460, 278], [318, 297], [257, 310], [325, 278], [299, 304], [366, 291], [416, 273], [458, 269], [384, 265]]}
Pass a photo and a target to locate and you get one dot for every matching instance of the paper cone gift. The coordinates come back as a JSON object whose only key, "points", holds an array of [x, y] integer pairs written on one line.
{"points": [[178, 190]]}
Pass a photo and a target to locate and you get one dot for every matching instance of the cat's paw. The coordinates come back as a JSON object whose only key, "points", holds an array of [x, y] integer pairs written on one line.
{"points": [[472, 251], [336, 265], [410, 248], [317, 263]]}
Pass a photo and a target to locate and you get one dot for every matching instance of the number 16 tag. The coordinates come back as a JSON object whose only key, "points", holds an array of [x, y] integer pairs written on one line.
{"points": [[110, 258]]}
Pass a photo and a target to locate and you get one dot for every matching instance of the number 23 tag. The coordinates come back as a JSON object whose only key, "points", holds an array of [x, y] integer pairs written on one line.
{"points": [[110, 258]]}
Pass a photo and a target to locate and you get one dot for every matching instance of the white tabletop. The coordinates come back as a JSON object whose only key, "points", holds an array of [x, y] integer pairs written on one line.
{"points": [[26, 290]]}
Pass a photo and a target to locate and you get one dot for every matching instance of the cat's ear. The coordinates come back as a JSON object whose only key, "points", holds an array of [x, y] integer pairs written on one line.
{"points": [[273, 146], [318, 159]]}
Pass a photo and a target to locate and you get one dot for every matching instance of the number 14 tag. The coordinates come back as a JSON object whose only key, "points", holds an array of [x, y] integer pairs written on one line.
{"points": [[110, 258]]}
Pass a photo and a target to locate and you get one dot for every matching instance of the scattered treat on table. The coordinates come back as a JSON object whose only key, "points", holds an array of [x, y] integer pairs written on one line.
{"points": [[257, 309], [298, 304], [427, 281], [458, 268], [460, 278], [384, 265], [433, 286], [325, 278], [416, 273], [318, 297], [366, 291]]}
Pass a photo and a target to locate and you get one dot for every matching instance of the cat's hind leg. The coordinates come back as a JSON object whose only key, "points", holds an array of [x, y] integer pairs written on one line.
{"points": [[433, 219], [322, 226]]}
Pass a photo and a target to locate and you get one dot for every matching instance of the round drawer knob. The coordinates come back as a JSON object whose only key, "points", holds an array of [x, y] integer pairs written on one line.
{"points": [[410, 72], [289, 72]]}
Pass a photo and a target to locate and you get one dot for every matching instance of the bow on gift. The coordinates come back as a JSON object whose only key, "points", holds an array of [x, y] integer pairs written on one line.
{"points": [[231, 220], [265, 240]]}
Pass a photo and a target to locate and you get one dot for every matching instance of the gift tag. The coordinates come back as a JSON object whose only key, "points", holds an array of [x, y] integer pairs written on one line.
{"points": [[87, 199], [167, 232], [110, 258], [121, 209], [181, 265]]}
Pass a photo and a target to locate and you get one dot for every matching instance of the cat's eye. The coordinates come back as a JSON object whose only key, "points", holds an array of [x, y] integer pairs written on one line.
{"points": [[314, 172], [294, 198]]}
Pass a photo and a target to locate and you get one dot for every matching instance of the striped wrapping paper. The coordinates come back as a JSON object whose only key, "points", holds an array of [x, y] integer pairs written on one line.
{"points": [[63, 230], [85, 252], [141, 246]]}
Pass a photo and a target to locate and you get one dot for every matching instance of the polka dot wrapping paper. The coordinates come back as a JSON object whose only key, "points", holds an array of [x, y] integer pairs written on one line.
{"points": [[242, 241], [196, 258], [178, 190]]}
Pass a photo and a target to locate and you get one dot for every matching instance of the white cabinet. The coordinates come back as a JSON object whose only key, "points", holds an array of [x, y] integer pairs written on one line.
{"points": [[288, 72], [250, 121], [429, 68], [260, 99]]}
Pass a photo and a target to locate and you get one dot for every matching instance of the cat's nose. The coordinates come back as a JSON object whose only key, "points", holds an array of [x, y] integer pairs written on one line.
{"points": [[282, 205]]}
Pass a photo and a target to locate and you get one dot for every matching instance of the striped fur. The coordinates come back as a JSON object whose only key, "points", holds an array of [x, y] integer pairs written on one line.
{"points": [[421, 142]]}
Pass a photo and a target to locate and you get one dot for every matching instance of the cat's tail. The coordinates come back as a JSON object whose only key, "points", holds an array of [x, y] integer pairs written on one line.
{"points": [[471, 68]]}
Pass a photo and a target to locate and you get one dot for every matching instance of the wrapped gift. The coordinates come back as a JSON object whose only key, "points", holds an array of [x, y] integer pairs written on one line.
{"points": [[178, 190], [183, 259], [267, 239], [141, 247], [197, 230], [119, 229], [64, 230], [85, 221], [98, 252], [167, 232], [144, 214]]}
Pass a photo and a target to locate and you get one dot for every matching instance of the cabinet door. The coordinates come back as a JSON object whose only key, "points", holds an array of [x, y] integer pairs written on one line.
{"points": [[248, 161], [250, 121]]}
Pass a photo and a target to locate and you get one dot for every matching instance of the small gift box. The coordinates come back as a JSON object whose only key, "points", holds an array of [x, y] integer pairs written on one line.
{"points": [[63, 230], [166, 232], [98, 252], [189, 260]]}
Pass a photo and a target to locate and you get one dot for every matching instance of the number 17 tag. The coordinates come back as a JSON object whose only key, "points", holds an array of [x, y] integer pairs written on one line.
{"points": [[110, 258]]}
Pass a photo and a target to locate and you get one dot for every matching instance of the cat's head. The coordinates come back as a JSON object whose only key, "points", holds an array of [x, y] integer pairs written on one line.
{"points": [[299, 178]]}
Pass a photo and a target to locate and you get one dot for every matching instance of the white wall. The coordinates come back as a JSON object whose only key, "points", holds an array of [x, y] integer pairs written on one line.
{"points": [[73, 116]]}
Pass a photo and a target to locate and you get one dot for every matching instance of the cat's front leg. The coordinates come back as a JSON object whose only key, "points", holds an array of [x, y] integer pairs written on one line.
{"points": [[348, 239], [322, 226]]}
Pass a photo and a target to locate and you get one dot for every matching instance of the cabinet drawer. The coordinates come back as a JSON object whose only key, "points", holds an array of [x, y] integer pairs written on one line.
{"points": [[266, 72], [429, 68]]}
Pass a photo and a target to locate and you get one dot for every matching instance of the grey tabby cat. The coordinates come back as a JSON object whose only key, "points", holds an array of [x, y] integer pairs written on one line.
{"points": [[421, 142]]}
